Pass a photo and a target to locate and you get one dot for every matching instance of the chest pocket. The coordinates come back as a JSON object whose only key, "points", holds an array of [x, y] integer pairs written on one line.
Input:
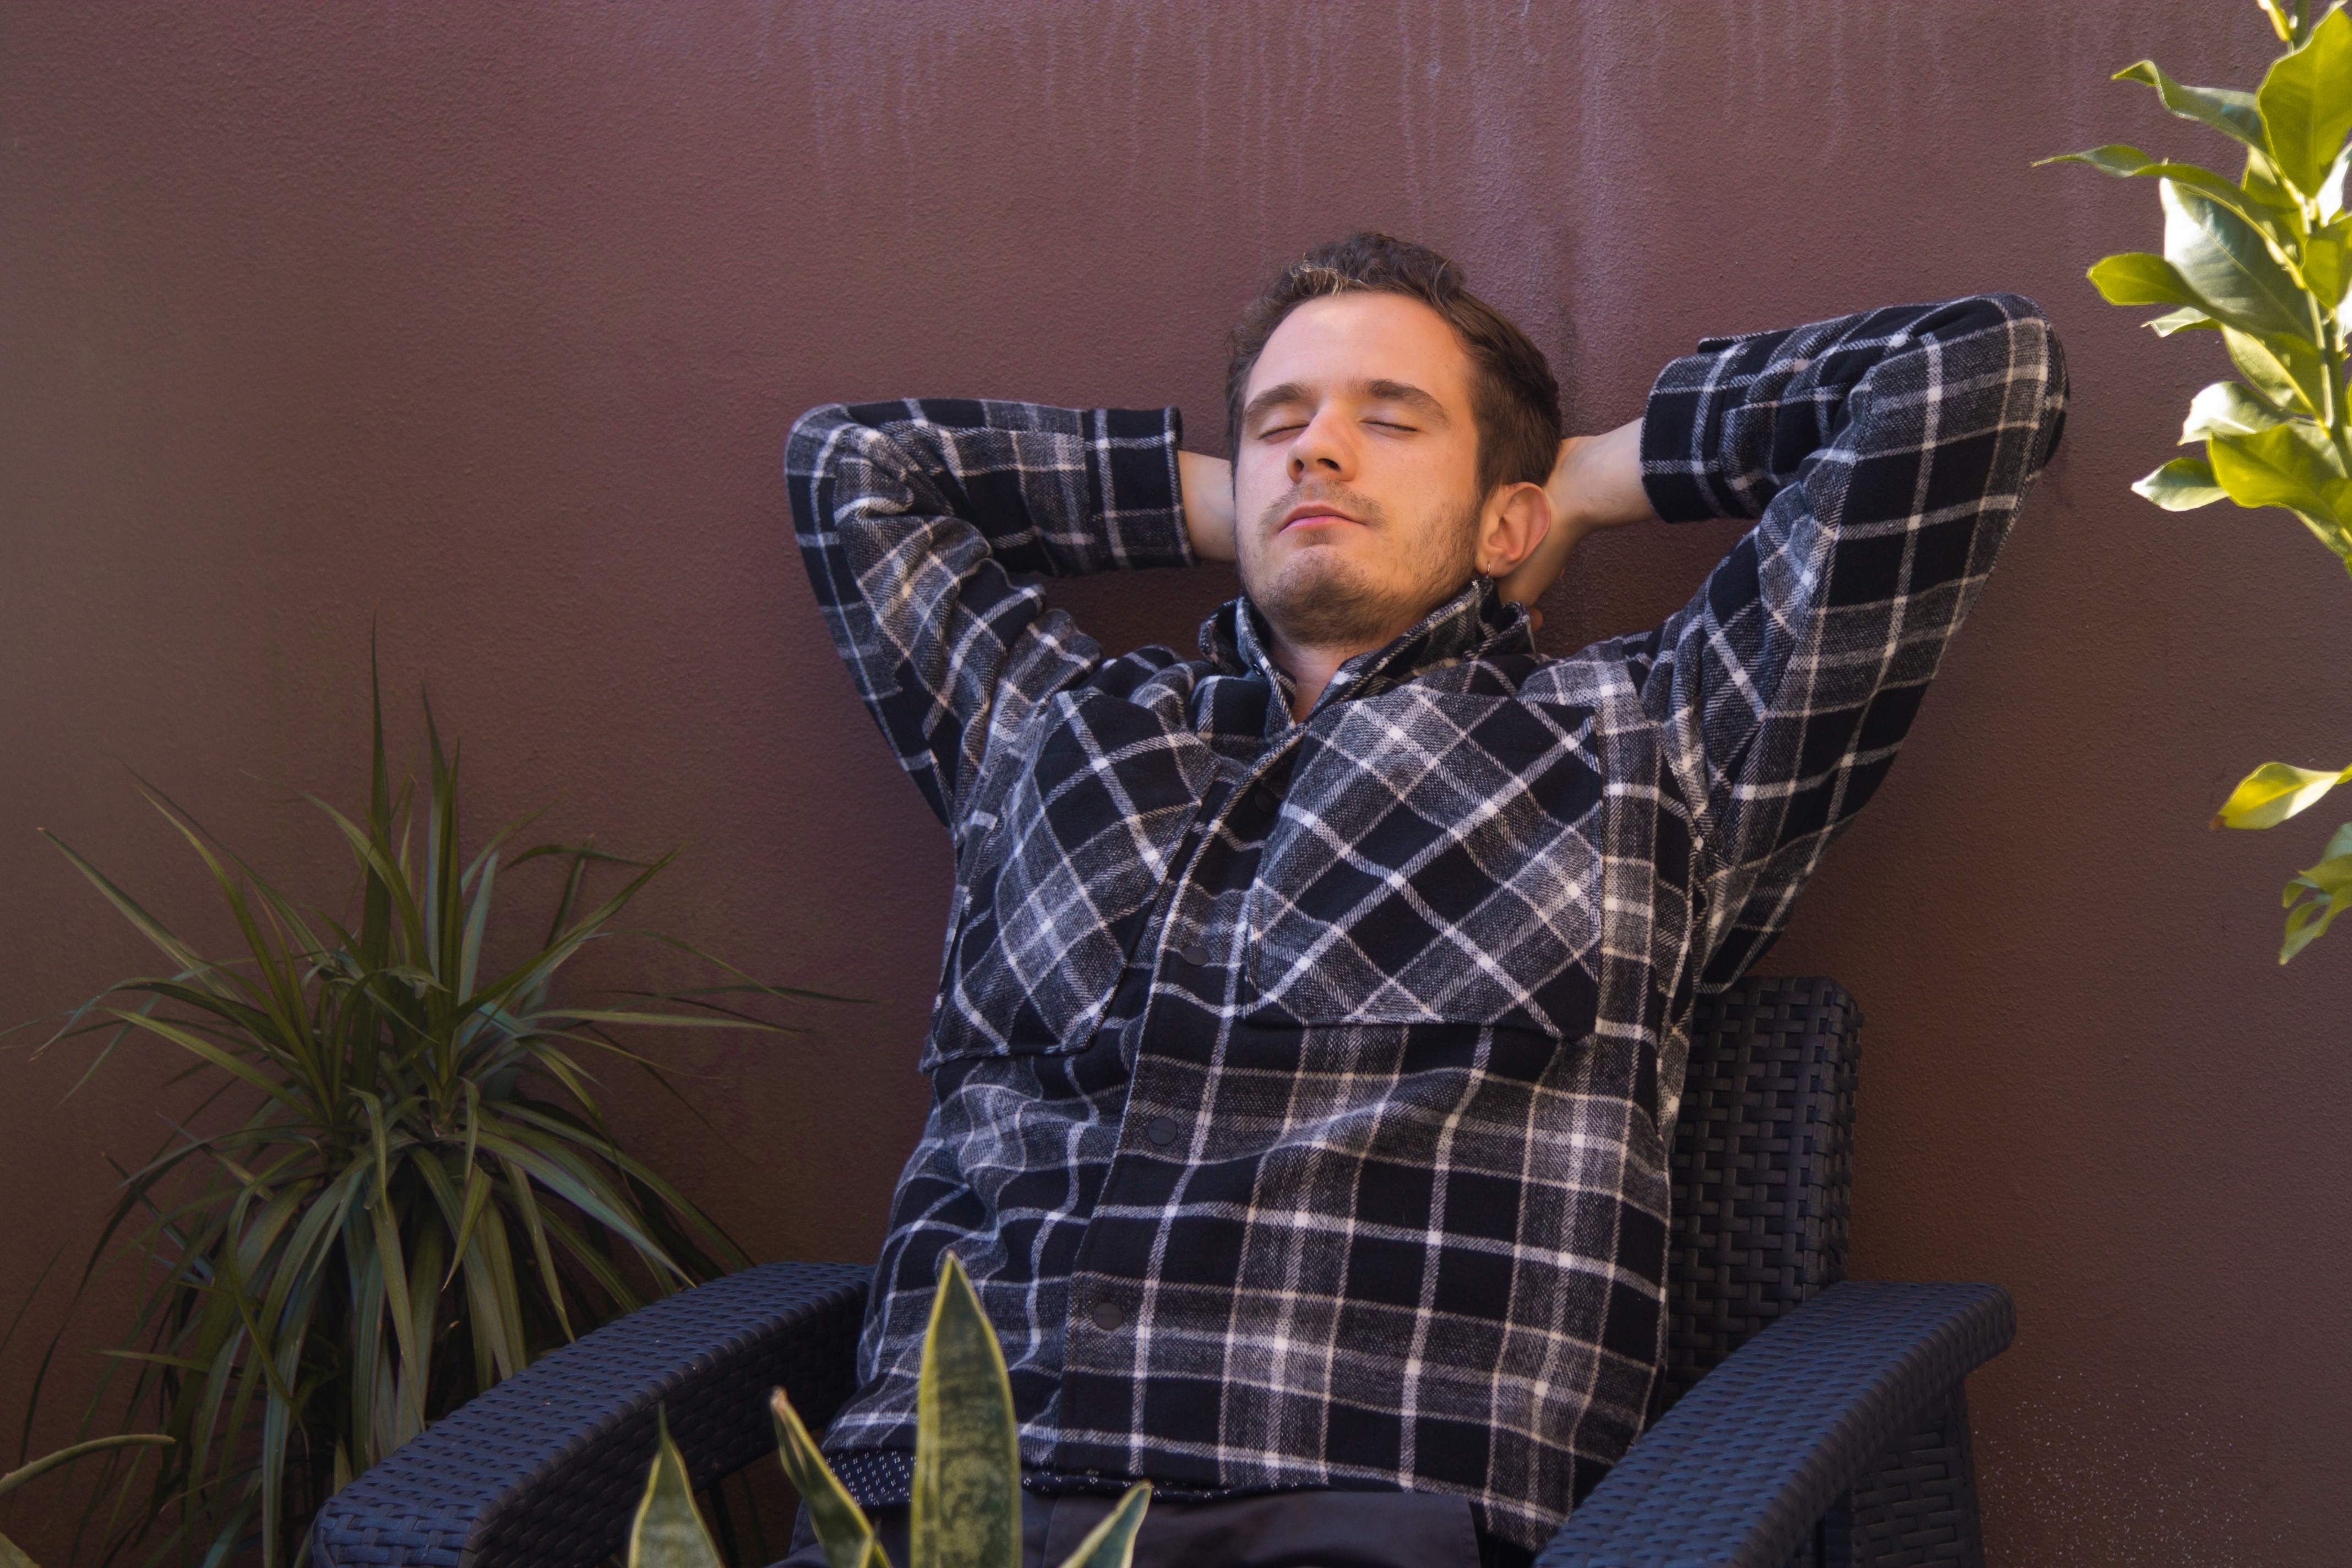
{"points": [[1050, 906], [1435, 863]]}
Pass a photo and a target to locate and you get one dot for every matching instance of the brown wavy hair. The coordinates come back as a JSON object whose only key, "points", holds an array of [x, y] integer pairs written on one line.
{"points": [[1515, 400]]}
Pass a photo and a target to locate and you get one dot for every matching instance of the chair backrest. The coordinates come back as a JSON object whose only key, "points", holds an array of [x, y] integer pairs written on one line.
{"points": [[1763, 1166]]}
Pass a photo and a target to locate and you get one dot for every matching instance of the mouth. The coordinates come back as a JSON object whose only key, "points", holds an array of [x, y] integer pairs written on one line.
{"points": [[1314, 514]]}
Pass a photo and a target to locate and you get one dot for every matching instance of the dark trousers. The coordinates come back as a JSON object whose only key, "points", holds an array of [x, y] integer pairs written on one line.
{"points": [[1282, 1530]]}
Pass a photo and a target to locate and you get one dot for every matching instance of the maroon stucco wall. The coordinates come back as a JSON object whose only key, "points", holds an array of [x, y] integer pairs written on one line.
{"points": [[485, 323]]}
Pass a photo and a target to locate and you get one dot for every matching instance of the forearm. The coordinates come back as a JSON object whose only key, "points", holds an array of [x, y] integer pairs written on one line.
{"points": [[918, 524], [1208, 484]]}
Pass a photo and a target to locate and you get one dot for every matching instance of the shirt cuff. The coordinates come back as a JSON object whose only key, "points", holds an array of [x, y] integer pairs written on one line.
{"points": [[1143, 488], [1680, 471]]}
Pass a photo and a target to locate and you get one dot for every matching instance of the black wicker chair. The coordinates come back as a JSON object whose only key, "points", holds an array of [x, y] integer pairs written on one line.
{"points": [[1804, 1419]]}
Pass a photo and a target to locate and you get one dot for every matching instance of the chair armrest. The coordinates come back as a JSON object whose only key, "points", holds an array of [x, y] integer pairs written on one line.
{"points": [[1743, 1466], [545, 1469]]}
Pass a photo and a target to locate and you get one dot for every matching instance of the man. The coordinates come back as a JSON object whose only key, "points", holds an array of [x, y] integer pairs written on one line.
{"points": [[1313, 1011]]}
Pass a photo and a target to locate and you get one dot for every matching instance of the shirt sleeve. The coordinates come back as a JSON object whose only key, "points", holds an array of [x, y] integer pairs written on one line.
{"points": [[1883, 457], [914, 519]]}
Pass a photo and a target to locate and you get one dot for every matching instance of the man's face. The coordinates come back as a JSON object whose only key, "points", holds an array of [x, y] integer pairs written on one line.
{"points": [[1355, 485]]}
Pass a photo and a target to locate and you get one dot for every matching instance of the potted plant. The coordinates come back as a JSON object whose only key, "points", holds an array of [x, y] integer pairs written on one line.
{"points": [[2264, 262], [10, 1556], [408, 1190], [965, 1510]]}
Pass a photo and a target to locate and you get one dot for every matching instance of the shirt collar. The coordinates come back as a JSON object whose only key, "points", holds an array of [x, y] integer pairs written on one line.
{"points": [[1475, 623]]}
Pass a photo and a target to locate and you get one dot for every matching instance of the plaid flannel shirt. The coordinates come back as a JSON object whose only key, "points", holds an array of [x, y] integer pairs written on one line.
{"points": [[1302, 1090]]}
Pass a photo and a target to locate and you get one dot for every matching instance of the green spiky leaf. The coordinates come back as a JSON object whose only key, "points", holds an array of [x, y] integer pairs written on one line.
{"points": [[668, 1531], [1111, 1544], [966, 1508], [842, 1527], [398, 1187]]}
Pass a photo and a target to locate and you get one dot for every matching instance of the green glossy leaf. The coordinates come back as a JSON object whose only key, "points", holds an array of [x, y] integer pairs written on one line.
{"points": [[2286, 371], [2317, 895], [2182, 485], [2305, 103], [2226, 109], [2130, 162], [2331, 186], [966, 1508], [2186, 319], [1111, 1544], [2287, 21], [2229, 266], [2227, 408], [842, 1527], [2323, 262], [2272, 792], [10, 1557], [2291, 465], [2136, 278], [668, 1531]]}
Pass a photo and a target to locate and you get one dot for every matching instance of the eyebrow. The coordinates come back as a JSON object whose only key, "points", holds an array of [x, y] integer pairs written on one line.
{"points": [[1379, 389]]}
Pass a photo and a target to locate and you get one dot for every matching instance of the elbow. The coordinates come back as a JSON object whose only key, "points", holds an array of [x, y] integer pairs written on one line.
{"points": [[2030, 358], [811, 436]]}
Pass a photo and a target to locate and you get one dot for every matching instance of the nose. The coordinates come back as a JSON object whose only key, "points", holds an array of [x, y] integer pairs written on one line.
{"points": [[1322, 451]]}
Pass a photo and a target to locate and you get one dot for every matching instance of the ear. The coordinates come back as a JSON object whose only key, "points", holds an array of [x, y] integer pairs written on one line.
{"points": [[1513, 523]]}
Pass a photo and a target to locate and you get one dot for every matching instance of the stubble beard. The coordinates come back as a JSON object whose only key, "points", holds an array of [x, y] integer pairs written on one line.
{"points": [[1322, 598]]}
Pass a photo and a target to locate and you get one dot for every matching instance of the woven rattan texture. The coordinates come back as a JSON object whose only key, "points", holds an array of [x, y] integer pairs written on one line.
{"points": [[1917, 1506], [545, 1469], [1763, 1166], [1741, 1471]]}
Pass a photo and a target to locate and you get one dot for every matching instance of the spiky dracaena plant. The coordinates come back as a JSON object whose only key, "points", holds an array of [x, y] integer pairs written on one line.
{"points": [[414, 1194], [2265, 260], [11, 1555], [965, 1510]]}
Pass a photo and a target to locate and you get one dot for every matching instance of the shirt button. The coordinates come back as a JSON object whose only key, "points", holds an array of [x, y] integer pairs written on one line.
{"points": [[1108, 1316], [1264, 798], [1193, 953], [1163, 1131]]}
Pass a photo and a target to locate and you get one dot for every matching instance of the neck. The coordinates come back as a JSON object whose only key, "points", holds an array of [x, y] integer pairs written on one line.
{"points": [[1312, 666]]}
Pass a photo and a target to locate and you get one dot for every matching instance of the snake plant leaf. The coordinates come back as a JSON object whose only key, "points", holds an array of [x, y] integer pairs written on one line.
{"points": [[668, 1531], [842, 1527], [1111, 1544], [2227, 408], [2272, 792], [2233, 113], [966, 1508], [2305, 103], [2230, 266], [2182, 485], [2136, 278]]}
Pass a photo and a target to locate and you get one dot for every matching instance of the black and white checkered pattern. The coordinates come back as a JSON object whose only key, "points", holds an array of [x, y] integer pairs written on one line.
{"points": [[1303, 1091]]}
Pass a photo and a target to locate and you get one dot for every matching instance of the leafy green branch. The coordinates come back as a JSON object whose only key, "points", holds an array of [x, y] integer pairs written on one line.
{"points": [[2265, 262]]}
